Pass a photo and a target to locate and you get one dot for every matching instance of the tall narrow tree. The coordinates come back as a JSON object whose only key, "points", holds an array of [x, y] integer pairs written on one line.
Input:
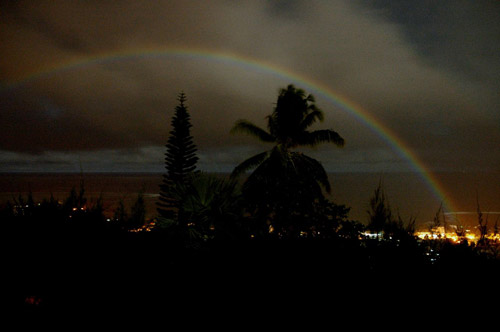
{"points": [[380, 215], [180, 159]]}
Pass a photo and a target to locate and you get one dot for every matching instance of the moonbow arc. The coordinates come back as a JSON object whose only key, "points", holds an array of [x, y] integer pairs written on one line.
{"points": [[256, 65]]}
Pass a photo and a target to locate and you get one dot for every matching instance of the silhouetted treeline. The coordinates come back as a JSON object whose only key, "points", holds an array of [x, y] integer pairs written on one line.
{"points": [[60, 252], [274, 233]]}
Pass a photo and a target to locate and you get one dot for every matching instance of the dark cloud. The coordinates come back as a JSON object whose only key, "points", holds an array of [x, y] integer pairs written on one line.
{"points": [[462, 36], [428, 71], [52, 30]]}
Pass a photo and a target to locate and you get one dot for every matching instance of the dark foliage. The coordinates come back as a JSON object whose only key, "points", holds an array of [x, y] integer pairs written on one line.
{"points": [[180, 159], [380, 213], [61, 258], [209, 207], [286, 187]]}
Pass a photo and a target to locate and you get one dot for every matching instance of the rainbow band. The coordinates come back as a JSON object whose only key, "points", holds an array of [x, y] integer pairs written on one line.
{"points": [[254, 65]]}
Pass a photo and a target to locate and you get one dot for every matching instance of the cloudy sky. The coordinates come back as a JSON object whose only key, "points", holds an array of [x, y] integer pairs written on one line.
{"points": [[429, 71]]}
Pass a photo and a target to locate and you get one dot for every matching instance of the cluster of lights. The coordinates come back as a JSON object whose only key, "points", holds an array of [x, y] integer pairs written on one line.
{"points": [[440, 234], [437, 234], [148, 227], [432, 255], [369, 235], [470, 237], [75, 209]]}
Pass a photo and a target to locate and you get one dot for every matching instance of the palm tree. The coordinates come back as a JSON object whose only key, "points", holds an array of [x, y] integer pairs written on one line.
{"points": [[286, 181]]}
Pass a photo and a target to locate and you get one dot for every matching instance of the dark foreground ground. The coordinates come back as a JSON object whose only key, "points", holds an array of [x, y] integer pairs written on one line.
{"points": [[134, 274]]}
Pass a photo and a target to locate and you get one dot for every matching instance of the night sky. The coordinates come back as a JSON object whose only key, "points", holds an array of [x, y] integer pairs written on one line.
{"points": [[427, 70]]}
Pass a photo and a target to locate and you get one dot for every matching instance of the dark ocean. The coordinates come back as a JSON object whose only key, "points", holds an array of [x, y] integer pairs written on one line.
{"points": [[408, 194]]}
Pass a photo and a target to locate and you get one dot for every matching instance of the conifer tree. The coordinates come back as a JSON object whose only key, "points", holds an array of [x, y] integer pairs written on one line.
{"points": [[120, 214], [180, 159], [380, 212], [138, 212]]}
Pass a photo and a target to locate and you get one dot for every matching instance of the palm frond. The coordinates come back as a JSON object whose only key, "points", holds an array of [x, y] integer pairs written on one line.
{"points": [[244, 126], [310, 118], [313, 107], [313, 168], [250, 163], [272, 125], [321, 136]]}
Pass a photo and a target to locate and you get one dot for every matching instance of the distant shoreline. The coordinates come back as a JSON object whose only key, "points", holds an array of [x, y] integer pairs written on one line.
{"points": [[407, 192]]}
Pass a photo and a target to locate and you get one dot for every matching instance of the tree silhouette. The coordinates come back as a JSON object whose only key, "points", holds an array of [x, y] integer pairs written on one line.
{"points": [[286, 184], [380, 214], [180, 159], [138, 212], [120, 213], [482, 224], [211, 204]]}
